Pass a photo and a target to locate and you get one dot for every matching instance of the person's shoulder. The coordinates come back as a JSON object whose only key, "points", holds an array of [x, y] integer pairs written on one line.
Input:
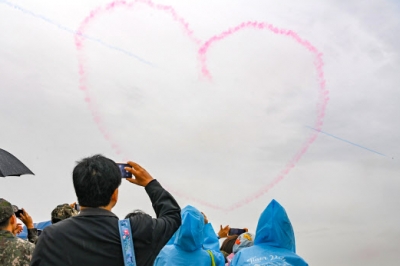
{"points": [[20, 244], [172, 255], [18, 252], [168, 248], [167, 251], [61, 224], [267, 254], [163, 258], [295, 259], [142, 224], [250, 250], [57, 229], [243, 256]]}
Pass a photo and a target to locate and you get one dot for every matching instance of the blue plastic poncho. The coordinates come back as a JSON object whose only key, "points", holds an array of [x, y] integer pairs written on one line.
{"points": [[189, 244], [40, 226], [274, 243]]}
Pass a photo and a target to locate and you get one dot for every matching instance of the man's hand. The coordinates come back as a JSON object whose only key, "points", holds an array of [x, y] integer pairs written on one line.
{"points": [[142, 178], [26, 219], [18, 229], [223, 231]]}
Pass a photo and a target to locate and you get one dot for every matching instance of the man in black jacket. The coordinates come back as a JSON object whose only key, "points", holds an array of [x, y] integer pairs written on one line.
{"points": [[92, 237]]}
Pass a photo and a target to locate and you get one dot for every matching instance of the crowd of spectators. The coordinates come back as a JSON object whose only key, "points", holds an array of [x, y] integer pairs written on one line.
{"points": [[89, 233]]}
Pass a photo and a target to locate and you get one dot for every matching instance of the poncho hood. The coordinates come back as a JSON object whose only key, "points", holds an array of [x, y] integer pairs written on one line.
{"points": [[274, 228], [189, 236]]}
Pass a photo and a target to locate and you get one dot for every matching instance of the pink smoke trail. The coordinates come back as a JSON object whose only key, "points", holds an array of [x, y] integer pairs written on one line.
{"points": [[79, 43], [321, 107], [202, 52]]}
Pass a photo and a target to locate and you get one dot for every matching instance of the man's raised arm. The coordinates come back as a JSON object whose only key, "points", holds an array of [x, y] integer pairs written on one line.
{"points": [[165, 206]]}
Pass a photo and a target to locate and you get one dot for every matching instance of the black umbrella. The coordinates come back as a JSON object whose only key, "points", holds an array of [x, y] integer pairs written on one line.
{"points": [[11, 166]]}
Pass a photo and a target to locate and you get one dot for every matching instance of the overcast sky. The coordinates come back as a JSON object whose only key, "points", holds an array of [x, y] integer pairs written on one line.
{"points": [[221, 141]]}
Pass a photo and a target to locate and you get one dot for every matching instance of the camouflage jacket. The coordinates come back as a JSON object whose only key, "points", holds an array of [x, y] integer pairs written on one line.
{"points": [[14, 251]]}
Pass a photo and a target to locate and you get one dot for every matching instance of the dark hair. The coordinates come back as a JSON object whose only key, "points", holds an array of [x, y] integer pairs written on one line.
{"points": [[95, 180], [5, 223], [55, 220], [135, 213], [228, 243]]}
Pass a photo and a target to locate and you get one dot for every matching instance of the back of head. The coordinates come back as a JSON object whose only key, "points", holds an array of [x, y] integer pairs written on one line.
{"points": [[189, 236], [95, 180], [227, 245], [245, 240], [62, 212], [6, 211], [274, 228], [136, 213]]}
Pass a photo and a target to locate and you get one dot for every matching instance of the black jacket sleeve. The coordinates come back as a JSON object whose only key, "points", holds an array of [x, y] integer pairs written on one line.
{"points": [[33, 235], [155, 232], [168, 214]]}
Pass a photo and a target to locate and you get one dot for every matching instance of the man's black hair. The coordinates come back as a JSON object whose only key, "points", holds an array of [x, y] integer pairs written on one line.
{"points": [[136, 213], [95, 180]]}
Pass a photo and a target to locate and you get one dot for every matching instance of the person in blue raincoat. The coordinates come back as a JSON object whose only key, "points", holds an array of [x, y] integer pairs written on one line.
{"points": [[192, 243], [274, 243]]}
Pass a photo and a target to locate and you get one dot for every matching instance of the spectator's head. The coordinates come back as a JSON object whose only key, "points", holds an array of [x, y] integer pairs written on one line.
{"points": [[96, 181], [189, 237], [62, 212], [136, 213], [228, 243], [243, 241], [8, 220], [275, 228]]}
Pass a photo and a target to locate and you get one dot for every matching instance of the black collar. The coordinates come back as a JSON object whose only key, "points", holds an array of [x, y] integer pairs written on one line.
{"points": [[96, 212]]}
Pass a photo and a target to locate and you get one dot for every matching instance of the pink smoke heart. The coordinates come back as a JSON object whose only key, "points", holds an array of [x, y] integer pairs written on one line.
{"points": [[204, 47]]}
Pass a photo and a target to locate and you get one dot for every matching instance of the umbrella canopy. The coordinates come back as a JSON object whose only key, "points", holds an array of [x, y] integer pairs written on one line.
{"points": [[11, 166]]}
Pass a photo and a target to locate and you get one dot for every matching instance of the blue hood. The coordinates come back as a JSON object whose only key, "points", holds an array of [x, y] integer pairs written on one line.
{"points": [[41, 226], [274, 228], [189, 236]]}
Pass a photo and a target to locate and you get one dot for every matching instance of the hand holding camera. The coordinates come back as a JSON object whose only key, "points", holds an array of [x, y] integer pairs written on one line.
{"points": [[75, 206], [142, 177], [124, 172], [237, 231], [26, 219], [223, 231], [227, 231]]}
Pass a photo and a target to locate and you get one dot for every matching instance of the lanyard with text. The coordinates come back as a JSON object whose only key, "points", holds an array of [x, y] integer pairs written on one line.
{"points": [[125, 234]]}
